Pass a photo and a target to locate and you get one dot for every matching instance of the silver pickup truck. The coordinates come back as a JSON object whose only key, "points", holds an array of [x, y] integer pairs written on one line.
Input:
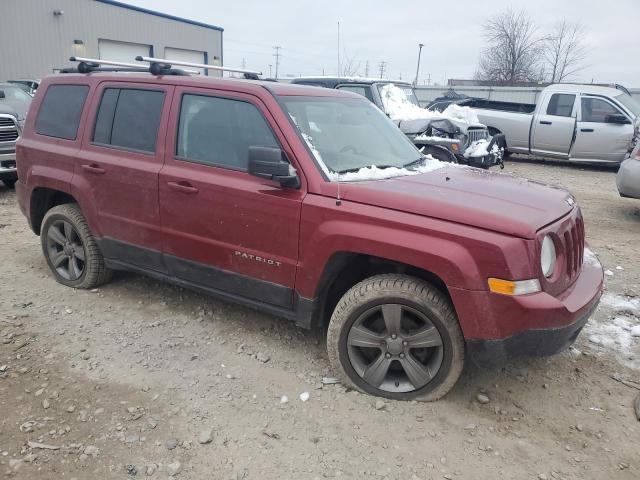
{"points": [[14, 103], [581, 123]]}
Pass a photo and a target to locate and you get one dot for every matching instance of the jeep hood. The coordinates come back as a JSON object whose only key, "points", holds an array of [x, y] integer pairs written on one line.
{"points": [[471, 196]]}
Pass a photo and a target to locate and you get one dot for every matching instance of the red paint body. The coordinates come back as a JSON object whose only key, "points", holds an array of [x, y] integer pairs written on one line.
{"points": [[460, 224]]}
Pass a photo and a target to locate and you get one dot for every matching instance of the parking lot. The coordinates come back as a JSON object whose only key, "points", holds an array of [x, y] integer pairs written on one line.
{"points": [[143, 379]]}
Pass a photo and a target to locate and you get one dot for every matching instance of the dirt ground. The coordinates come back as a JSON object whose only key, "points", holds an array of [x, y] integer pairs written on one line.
{"points": [[143, 380]]}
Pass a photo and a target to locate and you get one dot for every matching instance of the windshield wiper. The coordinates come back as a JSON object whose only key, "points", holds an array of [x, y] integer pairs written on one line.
{"points": [[349, 170], [415, 163]]}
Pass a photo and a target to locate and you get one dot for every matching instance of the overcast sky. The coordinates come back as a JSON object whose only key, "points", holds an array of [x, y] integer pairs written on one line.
{"points": [[390, 31]]}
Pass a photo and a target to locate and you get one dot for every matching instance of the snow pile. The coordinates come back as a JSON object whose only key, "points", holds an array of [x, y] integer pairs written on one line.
{"points": [[399, 107], [618, 302], [425, 138], [374, 173], [480, 148], [465, 114], [591, 259]]}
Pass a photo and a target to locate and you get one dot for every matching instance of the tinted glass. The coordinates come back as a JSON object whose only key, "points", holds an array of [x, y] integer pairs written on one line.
{"points": [[597, 110], [561, 105], [60, 111], [219, 131], [104, 120], [359, 89]]}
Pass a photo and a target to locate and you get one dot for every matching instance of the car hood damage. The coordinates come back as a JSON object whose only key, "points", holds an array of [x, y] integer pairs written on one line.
{"points": [[492, 201]]}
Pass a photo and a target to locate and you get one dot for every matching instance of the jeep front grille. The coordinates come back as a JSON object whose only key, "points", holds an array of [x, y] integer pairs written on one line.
{"points": [[477, 134]]}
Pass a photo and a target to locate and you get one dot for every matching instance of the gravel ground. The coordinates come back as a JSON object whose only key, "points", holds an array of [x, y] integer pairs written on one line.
{"points": [[141, 379]]}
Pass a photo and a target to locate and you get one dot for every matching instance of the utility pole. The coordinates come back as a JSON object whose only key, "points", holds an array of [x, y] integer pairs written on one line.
{"points": [[338, 48], [428, 79], [415, 82], [277, 55], [366, 69], [269, 70], [382, 66], [243, 63]]}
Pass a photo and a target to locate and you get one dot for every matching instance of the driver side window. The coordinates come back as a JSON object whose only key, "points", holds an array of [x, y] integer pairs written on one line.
{"points": [[596, 110]]}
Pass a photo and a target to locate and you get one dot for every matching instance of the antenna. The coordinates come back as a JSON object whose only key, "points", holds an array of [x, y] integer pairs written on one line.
{"points": [[167, 63]]}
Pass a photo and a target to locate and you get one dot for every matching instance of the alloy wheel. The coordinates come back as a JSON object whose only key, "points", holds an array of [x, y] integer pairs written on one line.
{"points": [[65, 250], [395, 348]]}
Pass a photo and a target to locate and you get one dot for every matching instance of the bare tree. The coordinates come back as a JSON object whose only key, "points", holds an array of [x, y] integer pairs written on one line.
{"points": [[350, 65], [564, 51], [513, 51]]}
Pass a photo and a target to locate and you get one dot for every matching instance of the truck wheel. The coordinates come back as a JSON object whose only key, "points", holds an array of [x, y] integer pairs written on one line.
{"points": [[440, 154], [71, 250], [397, 337], [9, 183]]}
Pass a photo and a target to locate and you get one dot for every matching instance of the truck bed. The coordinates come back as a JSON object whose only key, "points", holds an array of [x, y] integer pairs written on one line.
{"points": [[501, 106]]}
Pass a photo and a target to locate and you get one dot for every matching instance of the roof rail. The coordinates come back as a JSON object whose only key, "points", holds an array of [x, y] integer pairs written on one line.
{"points": [[88, 65], [167, 63]]}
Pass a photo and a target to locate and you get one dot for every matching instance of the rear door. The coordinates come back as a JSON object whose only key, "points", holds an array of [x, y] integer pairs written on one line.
{"points": [[554, 126], [597, 140], [224, 229], [118, 167]]}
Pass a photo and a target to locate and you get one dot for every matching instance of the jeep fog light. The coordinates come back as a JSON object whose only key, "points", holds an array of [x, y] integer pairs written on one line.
{"points": [[548, 256], [510, 287]]}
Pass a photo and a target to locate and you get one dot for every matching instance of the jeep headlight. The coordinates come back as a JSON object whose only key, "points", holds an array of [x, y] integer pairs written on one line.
{"points": [[548, 256]]}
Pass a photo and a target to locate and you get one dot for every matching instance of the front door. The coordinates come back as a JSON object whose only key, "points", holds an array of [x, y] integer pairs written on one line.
{"points": [[597, 140], [224, 229], [553, 128], [119, 163]]}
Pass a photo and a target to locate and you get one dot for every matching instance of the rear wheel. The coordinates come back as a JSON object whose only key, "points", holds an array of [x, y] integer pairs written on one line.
{"points": [[71, 250], [397, 337]]}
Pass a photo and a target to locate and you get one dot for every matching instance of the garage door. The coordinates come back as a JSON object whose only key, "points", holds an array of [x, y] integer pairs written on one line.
{"points": [[193, 56], [122, 51]]}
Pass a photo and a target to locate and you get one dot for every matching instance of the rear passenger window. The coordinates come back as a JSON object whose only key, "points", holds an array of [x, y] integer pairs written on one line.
{"points": [[60, 111], [561, 105], [129, 118], [219, 131]]}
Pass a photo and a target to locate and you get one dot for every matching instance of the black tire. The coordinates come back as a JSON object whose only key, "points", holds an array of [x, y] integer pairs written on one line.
{"points": [[439, 154], [79, 247], [415, 297], [10, 182]]}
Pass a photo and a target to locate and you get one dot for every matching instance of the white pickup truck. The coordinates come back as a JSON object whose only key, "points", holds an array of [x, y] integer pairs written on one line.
{"points": [[581, 123]]}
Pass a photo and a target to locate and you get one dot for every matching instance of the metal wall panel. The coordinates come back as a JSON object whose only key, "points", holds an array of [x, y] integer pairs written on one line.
{"points": [[35, 40]]}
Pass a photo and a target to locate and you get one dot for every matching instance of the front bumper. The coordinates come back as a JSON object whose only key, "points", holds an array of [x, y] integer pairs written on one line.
{"points": [[8, 165], [628, 178], [500, 327]]}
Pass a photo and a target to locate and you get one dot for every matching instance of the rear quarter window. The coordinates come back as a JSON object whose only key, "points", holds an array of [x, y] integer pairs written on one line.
{"points": [[60, 111]]}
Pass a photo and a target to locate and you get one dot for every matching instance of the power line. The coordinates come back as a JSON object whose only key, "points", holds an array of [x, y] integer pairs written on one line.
{"points": [[277, 55]]}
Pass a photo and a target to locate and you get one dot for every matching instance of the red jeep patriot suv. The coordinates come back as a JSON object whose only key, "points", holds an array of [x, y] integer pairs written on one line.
{"points": [[309, 204]]}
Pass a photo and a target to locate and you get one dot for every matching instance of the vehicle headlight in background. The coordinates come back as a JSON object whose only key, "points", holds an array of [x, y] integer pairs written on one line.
{"points": [[548, 256]]}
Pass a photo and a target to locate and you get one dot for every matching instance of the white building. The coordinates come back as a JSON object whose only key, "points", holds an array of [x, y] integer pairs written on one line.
{"points": [[39, 36]]}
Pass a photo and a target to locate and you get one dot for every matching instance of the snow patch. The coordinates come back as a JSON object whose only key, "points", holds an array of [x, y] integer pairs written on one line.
{"points": [[399, 108], [466, 114], [590, 258], [374, 173], [620, 334], [619, 303], [480, 148]]}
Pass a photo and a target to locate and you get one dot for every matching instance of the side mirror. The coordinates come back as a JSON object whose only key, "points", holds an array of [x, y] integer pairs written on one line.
{"points": [[271, 163], [618, 119]]}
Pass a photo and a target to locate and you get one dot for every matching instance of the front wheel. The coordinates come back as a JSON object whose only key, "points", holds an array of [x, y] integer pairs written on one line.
{"points": [[397, 337], [9, 182]]}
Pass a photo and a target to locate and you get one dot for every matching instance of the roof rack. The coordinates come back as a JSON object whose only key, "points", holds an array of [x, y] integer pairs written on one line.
{"points": [[168, 63], [88, 65]]}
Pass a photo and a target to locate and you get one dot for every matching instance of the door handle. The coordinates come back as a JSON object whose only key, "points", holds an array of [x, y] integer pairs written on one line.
{"points": [[95, 169], [545, 122], [586, 130], [184, 187]]}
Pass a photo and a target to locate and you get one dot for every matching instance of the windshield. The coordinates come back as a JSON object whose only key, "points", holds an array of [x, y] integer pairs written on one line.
{"points": [[348, 134], [409, 93], [630, 103], [8, 92]]}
